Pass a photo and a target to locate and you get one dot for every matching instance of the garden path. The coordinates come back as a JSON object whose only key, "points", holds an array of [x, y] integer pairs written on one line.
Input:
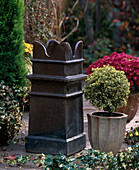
{"points": [[19, 148]]}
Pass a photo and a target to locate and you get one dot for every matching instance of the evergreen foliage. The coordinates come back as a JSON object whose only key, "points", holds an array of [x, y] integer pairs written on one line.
{"points": [[12, 68], [107, 88]]}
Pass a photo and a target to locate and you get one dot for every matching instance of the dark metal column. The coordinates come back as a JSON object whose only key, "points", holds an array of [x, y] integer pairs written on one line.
{"points": [[56, 109]]}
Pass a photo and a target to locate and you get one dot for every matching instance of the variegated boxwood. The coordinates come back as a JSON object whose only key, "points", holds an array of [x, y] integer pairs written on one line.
{"points": [[107, 88]]}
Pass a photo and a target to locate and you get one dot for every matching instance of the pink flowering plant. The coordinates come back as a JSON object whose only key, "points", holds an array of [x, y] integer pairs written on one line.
{"points": [[123, 62]]}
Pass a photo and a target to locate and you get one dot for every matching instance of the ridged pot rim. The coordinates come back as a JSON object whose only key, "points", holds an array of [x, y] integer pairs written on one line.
{"points": [[136, 94], [121, 115]]}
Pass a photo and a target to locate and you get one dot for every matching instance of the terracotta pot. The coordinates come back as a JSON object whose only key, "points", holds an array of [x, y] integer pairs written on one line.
{"points": [[131, 108], [106, 133]]}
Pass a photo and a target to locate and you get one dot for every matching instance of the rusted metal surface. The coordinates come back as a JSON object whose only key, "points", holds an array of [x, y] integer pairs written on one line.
{"points": [[132, 106], [56, 111]]}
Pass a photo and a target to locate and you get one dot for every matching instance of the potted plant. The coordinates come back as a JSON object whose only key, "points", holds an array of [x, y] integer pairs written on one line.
{"points": [[11, 100], [130, 66], [107, 88]]}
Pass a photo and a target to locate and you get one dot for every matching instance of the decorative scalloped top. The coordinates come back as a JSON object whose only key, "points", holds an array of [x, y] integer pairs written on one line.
{"points": [[55, 50]]}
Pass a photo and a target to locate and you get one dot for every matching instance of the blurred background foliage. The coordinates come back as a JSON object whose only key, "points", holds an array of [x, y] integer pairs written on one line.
{"points": [[104, 26]]}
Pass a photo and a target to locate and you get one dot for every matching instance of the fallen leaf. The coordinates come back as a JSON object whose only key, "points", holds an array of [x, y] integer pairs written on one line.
{"points": [[10, 157]]}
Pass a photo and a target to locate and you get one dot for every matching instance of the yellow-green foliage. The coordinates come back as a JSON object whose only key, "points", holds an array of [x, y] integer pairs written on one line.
{"points": [[107, 88]]}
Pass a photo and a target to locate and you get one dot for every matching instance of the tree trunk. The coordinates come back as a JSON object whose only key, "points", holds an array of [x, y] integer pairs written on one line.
{"points": [[97, 18], [87, 21]]}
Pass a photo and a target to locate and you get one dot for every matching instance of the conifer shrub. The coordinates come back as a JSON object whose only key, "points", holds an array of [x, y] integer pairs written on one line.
{"points": [[12, 68]]}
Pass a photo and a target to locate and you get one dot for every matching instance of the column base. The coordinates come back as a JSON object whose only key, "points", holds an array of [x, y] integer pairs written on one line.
{"points": [[47, 145]]}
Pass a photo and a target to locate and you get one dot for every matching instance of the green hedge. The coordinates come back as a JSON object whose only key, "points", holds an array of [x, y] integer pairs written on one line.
{"points": [[12, 69]]}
